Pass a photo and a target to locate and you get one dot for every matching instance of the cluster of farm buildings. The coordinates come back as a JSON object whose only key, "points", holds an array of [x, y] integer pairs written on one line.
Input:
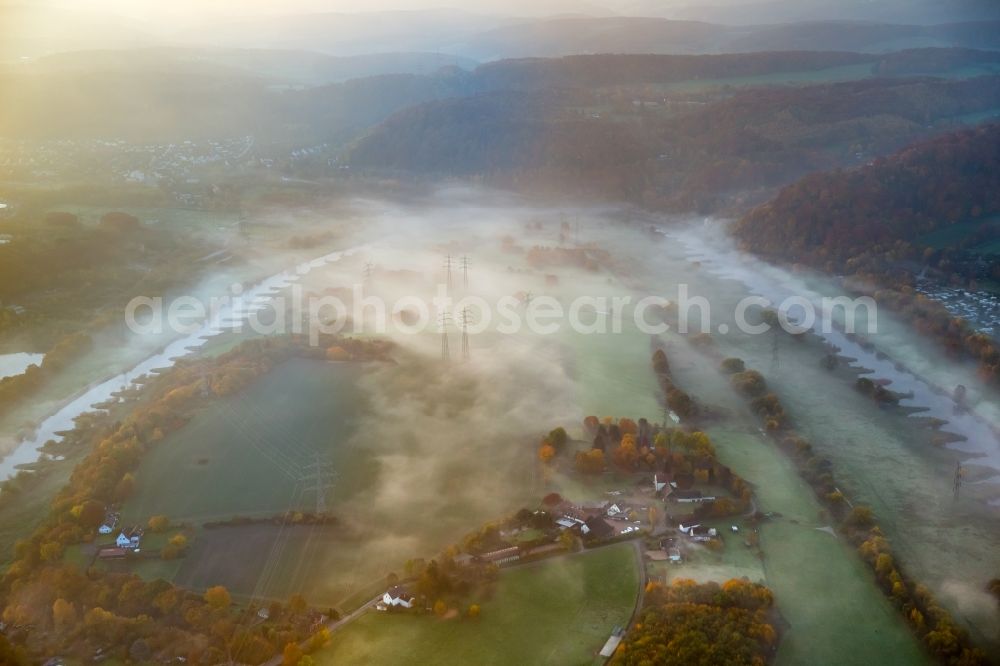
{"points": [[128, 540]]}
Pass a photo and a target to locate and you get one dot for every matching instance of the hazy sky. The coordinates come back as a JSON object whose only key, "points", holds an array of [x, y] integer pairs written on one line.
{"points": [[152, 8]]}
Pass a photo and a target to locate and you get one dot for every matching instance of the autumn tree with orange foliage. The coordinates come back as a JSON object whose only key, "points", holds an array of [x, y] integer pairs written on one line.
{"points": [[689, 623], [590, 462], [626, 455], [546, 453]]}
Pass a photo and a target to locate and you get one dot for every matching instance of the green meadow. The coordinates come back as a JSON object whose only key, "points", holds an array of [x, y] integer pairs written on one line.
{"points": [[557, 611]]}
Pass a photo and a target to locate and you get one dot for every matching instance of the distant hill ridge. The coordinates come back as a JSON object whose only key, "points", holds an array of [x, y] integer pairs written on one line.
{"points": [[148, 94]]}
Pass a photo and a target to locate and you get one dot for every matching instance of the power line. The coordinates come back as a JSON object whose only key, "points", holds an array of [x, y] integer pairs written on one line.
{"points": [[465, 271], [465, 334], [369, 271], [447, 267], [322, 478], [444, 320]]}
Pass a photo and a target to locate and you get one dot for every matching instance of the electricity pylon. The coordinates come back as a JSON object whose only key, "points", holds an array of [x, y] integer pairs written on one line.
{"points": [[445, 319], [465, 271], [321, 476], [466, 317]]}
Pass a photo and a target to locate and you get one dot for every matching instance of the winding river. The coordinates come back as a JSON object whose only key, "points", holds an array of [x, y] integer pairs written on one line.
{"points": [[889, 358], [228, 316], [885, 458]]}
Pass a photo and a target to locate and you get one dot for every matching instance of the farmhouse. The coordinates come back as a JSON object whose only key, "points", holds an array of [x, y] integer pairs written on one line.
{"points": [[688, 528], [129, 538], [398, 597], [613, 509], [661, 485], [110, 521]]}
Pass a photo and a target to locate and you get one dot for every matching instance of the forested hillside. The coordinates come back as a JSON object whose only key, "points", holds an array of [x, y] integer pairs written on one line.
{"points": [[592, 71], [703, 151], [858, 218], [929, 208]]}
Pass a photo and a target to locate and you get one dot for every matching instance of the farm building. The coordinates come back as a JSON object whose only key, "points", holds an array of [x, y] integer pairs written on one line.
{"points": [[613, 640], [614, 509], [661, 485], [129, 538], [398, 596], [690, 496], [110, 521], [502, 556]]}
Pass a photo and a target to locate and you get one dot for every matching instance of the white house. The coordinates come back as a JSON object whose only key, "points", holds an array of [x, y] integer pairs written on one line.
{"points": [[108, 526], [688, 529], [129, 538], [398, 596]]}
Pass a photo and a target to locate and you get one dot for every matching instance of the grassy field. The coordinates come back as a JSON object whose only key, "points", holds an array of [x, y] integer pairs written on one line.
{"points": [[822, 588], [328, 565], [249, 455], [245, 455], [23, 513], [555, 612]]}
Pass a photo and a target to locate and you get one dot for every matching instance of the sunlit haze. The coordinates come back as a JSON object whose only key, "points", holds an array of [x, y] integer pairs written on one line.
{"points": [[560, 332]]}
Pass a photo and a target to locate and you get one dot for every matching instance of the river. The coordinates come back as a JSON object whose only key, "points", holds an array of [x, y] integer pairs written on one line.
{"points": [[18, 362], [881, 457], [894, 356], [226, 317]]}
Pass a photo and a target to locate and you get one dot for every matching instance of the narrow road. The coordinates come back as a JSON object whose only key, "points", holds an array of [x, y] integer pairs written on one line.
{"points": [[332, 626], [641, 597]]}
